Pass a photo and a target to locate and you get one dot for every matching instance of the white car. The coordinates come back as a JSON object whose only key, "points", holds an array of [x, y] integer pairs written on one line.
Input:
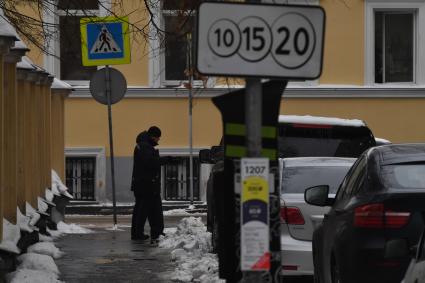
{"points": [[299, 219]]}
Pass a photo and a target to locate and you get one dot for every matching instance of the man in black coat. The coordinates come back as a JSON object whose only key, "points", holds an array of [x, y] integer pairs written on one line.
{"points": [[146, 186]]}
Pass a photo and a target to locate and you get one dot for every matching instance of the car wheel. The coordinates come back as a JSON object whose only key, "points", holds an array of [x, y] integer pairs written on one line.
{"points": [[335, 272], [214, 236]]}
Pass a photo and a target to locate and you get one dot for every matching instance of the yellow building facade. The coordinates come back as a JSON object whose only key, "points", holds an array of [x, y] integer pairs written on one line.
{"points": [[363, 78]]}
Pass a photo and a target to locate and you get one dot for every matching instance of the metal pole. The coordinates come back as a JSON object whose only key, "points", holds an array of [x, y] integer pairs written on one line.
{"points": [[253, 117], [253, 122], [190, 117], [111, 142]]}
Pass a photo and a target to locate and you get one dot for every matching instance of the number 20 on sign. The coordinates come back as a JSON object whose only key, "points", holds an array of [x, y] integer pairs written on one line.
{"points": [[260, 40]]}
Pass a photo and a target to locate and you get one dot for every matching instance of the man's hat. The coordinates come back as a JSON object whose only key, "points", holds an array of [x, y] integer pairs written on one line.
{"points": [[154, 131]]}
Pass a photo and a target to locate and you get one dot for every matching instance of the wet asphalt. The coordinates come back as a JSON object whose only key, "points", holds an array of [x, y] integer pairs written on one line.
{"points": [[111, 256]]}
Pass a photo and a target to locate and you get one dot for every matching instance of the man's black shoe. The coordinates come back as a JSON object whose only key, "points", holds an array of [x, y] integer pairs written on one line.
{"points": [[155, 242], [142, 238]]}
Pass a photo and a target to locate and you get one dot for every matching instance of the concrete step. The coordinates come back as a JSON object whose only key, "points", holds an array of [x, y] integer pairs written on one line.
{"points": [[95, 208]]}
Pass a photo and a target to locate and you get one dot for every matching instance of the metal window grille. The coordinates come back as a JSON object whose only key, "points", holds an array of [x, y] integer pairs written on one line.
{"points": [[176, 176], [80, 177]]}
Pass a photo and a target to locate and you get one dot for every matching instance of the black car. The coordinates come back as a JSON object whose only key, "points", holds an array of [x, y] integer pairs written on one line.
{"points": [[379, 205]]}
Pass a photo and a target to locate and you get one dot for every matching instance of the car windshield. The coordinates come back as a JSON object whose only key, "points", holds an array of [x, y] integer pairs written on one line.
{"points": [[404, 176], [297, 179], [335, 141]]}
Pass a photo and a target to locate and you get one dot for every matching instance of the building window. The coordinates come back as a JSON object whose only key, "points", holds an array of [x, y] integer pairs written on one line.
{"points": [[62, 18], [178, 24], [394, 46], [70, 12], [80, 177]]}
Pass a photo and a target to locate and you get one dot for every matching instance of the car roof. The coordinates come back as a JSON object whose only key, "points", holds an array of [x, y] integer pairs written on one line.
{"points": [[317, 161], [316, 120], [399, 153]]}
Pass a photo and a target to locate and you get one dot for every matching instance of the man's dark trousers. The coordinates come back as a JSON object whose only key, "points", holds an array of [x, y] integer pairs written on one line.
{"points": [[147, 207], [137, 227]]}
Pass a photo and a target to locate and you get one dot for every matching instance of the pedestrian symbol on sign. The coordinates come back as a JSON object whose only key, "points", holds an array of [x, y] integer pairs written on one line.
{"points": [[105, 42]]}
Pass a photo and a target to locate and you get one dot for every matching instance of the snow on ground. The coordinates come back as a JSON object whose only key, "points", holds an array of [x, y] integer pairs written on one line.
{"points": [[182, 212], [45, 248], [38, 265], [31, 276], [72, 228], [190, 243], [34, 268]]}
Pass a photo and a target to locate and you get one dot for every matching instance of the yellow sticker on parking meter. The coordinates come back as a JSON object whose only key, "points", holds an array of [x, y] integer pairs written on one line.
{"points": [[255, 187]]}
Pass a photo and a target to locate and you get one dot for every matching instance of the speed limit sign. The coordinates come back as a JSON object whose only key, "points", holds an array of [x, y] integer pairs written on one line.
{"points": [[260, 40]]}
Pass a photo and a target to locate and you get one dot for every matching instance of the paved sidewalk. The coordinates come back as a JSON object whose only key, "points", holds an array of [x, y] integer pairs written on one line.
{"points": [[110, 256]]}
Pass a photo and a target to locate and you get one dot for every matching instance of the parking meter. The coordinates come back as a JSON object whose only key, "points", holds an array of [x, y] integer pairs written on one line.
{"points": [[227, 183]]}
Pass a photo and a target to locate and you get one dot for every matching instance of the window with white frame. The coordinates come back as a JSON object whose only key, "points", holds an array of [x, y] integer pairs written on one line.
{"points": [[62, 18], [392, 47], [395, 43], [173, 51], [178, 24], [70, 12]]}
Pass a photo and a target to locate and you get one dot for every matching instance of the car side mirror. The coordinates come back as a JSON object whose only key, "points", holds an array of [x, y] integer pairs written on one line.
{"points": [[318, 196], [205, 156], [216, 153]]}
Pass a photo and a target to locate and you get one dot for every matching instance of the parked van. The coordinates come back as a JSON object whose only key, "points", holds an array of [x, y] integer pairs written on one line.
{"points": [[308, 136]]}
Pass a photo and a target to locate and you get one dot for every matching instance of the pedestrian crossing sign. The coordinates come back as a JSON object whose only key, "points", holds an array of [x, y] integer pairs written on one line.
{"points": [[105, 41]]}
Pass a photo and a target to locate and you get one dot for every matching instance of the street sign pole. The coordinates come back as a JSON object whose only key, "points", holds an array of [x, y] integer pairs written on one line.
{"points": [[253, 122], [111, 142], [106, 41], [253, 116], [189, 49]]}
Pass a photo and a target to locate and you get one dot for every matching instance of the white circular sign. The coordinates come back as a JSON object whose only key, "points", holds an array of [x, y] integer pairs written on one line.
{"points": [[224, 38], [294, 40], [256, 39]]}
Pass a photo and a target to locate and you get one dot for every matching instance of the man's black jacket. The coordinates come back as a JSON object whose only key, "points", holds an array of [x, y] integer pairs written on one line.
{"points": [[146, 167]]}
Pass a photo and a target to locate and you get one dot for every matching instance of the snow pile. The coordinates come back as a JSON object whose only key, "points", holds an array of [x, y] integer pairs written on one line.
{"points": [[58, 188], [179, 211], [11, 236], [44, 238], [31, 276], [45, 248], [34, 268], [64, 228], [191, 244], [72, 229], [37, 262], [182, 212], [23, 221]]}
